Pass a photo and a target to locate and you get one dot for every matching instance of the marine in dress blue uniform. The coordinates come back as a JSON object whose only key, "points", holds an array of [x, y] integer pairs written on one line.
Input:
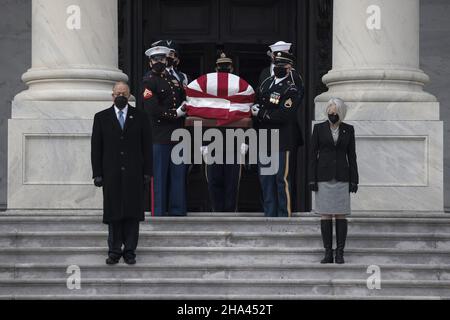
{"points": [[163, 100], [173, 61]]}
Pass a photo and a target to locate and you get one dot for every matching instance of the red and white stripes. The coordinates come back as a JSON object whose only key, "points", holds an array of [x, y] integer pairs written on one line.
{"points": [[222, 96]]}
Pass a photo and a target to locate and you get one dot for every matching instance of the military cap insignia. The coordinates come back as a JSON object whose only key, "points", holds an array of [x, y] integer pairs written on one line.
{"points": [[147, 94], [288, 103]]}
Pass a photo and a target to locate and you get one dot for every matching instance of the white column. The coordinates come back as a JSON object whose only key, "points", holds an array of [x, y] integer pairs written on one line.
{"points": [[74, 54], [376, 52], [399, 136], [74, 66]]}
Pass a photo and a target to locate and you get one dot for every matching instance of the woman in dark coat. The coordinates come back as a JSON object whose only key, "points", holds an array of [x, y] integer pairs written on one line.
{"points": [[333, 175]]}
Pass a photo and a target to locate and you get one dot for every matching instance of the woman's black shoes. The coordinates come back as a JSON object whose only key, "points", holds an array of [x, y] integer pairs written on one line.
{"points": [[341, 236], [328, 257], [326, 228]]}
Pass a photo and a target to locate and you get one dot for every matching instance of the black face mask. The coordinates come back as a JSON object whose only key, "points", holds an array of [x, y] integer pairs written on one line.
{"points": [[170, 62], [121, 102], [158, 67], [334, 118], [279, 72], [224, 69]]}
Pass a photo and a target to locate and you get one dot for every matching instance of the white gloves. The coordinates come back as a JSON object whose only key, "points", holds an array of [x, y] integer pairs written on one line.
{"points": [[181, 111], [255, 110], [204, 151], [244, 149]]}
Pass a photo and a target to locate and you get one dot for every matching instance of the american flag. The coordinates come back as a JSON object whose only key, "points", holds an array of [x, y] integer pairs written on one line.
{"points": [[221, 96]]}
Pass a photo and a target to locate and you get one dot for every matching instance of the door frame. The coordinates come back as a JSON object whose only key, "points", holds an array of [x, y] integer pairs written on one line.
{"points": [[313, 50]]}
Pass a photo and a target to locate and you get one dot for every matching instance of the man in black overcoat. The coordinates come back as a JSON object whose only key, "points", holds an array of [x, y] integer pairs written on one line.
{"points": [[121, 158]]}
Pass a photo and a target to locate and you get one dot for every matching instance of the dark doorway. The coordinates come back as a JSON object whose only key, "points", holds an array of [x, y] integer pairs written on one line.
{"points": [[244, 28]]}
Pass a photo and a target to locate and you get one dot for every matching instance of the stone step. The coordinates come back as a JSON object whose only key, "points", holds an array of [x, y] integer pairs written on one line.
{"points": [[301, 287], [98, 212], [200, 255], [226, 271], [9, 223], [225, 239], [188, 297]]}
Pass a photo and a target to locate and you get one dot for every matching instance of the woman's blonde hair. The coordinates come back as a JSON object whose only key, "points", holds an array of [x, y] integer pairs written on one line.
{"points": [[341, 107]]}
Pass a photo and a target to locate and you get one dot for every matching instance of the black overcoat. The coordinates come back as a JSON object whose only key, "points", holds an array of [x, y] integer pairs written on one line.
{"points": [[122, 158], [329, 161]]}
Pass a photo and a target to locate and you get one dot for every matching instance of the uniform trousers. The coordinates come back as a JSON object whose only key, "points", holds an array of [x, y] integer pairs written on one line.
{"points": [[169, 183], [223, 186], [276, 188]]}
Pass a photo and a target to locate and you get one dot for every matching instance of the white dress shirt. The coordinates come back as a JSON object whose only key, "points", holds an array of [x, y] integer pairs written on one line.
{"points": [[124, 110], [278, 80]]}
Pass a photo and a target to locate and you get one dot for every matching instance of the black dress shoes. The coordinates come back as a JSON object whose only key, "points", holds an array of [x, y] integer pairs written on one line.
{"points": [[130, 260], [110, 260]]}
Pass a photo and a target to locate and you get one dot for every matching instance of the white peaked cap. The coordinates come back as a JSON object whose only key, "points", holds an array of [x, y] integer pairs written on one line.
{"points": [[158, 50], [280, 46]]}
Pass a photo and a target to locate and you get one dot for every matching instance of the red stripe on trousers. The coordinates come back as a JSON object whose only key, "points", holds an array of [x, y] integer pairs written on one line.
{"points": [[152, 197]]}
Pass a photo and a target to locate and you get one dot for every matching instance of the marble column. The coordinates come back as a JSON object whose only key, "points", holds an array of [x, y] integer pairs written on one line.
{"points": [[399, 135], [74, 65]]}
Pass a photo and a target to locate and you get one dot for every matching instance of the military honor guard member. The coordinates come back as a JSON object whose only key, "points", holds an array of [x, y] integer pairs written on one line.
{"points": [[173, 60], [223, 179], [281, 46], [163, 100], [121, 159], [277, 102], [333, 175]]}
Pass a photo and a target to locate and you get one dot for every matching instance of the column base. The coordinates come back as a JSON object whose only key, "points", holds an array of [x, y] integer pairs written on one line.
{"points": [[49, 165]]}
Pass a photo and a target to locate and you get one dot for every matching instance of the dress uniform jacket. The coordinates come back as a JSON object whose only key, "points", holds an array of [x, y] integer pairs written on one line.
{"points": [[296, 77], [121, 158], [279, 105], [162, 96], [329, 161]]}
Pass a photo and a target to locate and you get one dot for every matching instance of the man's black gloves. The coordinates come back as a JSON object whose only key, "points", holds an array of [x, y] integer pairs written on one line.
{"points": [[313, 186], [353, 187], [147, 179], [98, 181]]}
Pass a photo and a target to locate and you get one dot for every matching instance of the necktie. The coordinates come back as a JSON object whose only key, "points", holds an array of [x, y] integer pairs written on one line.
{"points": [[172, 72], [121, 119]]}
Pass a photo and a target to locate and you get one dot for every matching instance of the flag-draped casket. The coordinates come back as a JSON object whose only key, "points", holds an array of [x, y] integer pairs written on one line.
{"points": [[221, 96]]}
